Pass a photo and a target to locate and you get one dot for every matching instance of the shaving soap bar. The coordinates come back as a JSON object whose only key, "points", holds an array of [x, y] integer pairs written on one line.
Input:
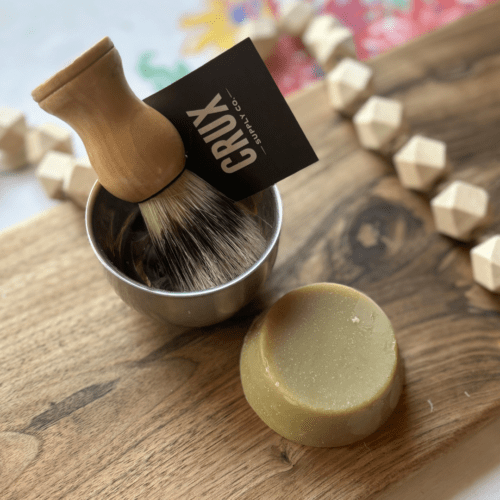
{"points": [[322, 367]]}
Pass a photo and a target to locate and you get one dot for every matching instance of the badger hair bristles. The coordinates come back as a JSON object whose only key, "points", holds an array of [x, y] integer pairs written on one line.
{"points": [[202, 238]]}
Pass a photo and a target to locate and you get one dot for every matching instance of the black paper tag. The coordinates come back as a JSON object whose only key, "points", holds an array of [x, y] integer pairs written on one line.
{"points": [[238, 131]]}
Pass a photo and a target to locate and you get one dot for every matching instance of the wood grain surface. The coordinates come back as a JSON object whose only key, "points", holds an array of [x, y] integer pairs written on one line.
{"points": [[99, 402]]}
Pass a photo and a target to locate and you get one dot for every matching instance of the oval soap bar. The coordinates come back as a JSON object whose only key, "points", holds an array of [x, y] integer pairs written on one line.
{"points": [[322, 366]]}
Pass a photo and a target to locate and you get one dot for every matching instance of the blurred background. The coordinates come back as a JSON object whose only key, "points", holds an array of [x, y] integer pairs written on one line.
{"points": [[162, 41]]}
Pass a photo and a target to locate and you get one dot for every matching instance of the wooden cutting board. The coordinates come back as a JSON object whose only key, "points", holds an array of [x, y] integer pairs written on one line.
{"points": [[99, 402]]}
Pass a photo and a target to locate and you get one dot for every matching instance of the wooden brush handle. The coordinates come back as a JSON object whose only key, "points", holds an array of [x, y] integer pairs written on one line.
{"points": [[133, 148]]}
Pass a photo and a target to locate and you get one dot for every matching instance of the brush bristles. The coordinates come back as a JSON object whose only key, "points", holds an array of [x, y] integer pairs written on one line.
{"points": [[203, 239]]}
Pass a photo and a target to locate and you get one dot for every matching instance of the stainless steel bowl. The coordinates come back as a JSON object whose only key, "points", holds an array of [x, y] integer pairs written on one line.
{"points": [[106, 217]]}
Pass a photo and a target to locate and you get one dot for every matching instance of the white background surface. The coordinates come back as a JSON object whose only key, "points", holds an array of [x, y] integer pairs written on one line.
{"points": [[39, 38]]}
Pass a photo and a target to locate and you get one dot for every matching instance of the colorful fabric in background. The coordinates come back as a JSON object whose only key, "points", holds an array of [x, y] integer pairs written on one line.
{"points": [[378, 25]]}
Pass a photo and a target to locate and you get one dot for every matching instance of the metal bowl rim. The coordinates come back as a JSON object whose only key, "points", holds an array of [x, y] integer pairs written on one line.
{"points": [[179, 295]]}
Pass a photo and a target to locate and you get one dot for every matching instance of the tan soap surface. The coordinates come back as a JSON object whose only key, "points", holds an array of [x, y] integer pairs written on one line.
{"points": [[321, 367]]}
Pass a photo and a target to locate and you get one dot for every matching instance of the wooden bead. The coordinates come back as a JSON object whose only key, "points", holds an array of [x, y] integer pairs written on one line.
{"points": [[335, 45], [12, 139], [79, 181], [349, 85], [295, 16], [12, 160], [381, 125], [34, 152], [52, 171], [485, 259], [316, 32], [47, 137], [460, 209], [263, 33], [421, 162]]}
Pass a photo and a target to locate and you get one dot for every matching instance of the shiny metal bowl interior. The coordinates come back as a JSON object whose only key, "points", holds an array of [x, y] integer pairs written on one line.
{"points": [[106, 216]]}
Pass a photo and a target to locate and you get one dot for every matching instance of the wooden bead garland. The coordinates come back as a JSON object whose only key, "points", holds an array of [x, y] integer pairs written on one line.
{"points": [[460, 210], [48, 146], [64, 177]]}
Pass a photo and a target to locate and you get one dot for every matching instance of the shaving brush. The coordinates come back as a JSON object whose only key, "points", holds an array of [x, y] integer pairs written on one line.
{"points": [[202, 237]]}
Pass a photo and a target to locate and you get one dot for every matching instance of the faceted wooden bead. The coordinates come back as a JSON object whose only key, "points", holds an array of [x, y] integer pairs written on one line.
{"points": [[349, 85], [47, 137], [263, 32], [485, 259], [78, 181], [295, 16], [336, 44], [316, 32], [52, 171], [12, 139], [34, 148], [460, 209], [421, 162], [381, 125]]}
